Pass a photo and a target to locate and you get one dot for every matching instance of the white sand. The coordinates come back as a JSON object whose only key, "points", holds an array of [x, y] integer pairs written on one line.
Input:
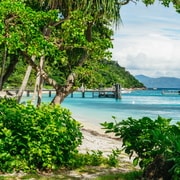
{"points": [[95, 139]]}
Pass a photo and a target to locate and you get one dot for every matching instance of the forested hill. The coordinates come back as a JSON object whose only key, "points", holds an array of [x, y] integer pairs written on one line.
{"points": [[114, 73], [161, 82], [106, 74]]}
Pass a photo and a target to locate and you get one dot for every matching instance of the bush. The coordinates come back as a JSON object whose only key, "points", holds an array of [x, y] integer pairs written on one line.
{"points": [[43, 138], [150, 140]]}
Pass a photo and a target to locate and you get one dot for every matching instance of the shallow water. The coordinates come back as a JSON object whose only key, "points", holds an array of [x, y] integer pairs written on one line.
{"points": [[136, 104]]}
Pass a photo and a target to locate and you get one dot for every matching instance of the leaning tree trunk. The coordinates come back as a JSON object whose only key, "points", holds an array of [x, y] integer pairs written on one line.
{"points": [[61, 91], [10, 68], [25, 81], [39, 83], [59, 97], [64, 91], [3, 67]]}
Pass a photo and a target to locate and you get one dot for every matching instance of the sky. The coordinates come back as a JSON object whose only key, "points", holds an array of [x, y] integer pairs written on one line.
{"points": [[148, 40]]}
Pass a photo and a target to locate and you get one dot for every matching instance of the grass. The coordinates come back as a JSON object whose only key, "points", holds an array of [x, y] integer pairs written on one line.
{"points": [[135, 175], [125, 171], [38, 177]]}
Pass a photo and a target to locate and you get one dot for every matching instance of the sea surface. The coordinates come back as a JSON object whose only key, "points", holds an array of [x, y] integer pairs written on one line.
{"points": [[137, 104]]}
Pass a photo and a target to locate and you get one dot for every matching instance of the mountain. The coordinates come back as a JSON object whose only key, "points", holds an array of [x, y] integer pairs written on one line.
{"points": [[161, 82]]}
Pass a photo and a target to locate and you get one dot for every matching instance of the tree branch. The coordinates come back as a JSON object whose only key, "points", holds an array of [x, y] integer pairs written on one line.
{"points": [[59, 22], [45, 76]]}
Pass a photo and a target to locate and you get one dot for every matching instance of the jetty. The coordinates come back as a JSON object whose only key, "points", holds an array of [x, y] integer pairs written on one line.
{"points": [[114, 92], [97, 93]]}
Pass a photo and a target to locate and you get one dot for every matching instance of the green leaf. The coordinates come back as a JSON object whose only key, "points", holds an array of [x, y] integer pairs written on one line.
{"points": [[135, 161]]}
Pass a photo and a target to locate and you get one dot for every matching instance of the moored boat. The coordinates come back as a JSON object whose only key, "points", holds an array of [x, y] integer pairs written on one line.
{"points": [[171, 92]]}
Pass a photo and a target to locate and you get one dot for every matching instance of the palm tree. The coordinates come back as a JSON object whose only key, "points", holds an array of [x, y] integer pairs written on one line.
{"points": [[100, 8]]}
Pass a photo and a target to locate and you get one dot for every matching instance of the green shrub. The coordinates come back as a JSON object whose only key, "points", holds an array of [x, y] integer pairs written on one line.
{"points": [[133, 175], [95, 158], [149, 139], [43, 138], [90, 158], [112, 159]]}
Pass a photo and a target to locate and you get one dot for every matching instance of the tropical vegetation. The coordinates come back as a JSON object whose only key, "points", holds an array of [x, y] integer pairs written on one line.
{"points": [[60, 40], [43, 139], [112, 73], [155, 144], [106, 74], [33, 138], [63, 43]]}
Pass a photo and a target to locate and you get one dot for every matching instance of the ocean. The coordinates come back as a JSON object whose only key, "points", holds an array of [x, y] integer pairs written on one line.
{"points": [[137, 104]]}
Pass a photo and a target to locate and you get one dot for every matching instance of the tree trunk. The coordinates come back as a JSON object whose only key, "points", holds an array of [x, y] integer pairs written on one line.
{"points": [[11, 67], [159, 169], [3, 67], [59, 97], [64, 91], [39, 83], [61, 91], [25, 81], [89, 32]]}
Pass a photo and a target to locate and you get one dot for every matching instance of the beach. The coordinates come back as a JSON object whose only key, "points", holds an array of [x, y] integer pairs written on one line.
{"points": [[95, 139]]}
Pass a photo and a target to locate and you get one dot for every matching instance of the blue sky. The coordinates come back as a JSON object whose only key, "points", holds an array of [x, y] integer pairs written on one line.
{"points": [[148, 41]]}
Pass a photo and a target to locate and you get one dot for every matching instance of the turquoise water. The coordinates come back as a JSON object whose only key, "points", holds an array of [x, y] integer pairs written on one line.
{"points": [[136, 104]]}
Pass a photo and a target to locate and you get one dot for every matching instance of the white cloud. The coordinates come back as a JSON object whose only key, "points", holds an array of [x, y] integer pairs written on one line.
{"points": [[149, 47]]}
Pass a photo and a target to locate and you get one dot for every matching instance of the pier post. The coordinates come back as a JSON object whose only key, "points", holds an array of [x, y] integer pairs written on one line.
{"points": [[93, 94], [50, 93], [83, 94], [27, 93], [117, 91], [83, 90]]}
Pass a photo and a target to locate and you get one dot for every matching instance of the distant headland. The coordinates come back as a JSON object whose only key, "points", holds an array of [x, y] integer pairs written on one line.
{"points": [[161, 82]]}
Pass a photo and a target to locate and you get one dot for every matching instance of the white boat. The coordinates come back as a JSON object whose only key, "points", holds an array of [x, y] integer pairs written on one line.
{"points": [[171, 92], [125, 91]]}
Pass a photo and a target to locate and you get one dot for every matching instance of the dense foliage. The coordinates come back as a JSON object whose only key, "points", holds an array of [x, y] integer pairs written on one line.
{"points": [[156, 144], [57, 39], [36, 138], [113, 73], [43, 139], [16, 78], [106, 74]]}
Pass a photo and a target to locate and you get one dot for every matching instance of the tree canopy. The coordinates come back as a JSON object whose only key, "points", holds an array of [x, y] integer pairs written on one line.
{"points": [[60, 39]]}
